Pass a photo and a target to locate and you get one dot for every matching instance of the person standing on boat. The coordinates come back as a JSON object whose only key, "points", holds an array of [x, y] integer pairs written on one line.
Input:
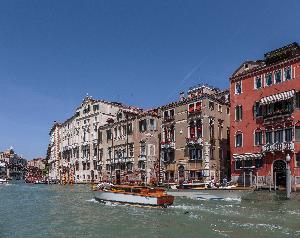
{"points": [[212, 182], [224, 182]]}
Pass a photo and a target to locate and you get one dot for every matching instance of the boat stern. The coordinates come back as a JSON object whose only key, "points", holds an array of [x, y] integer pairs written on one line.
{"points": [[166, 200]]}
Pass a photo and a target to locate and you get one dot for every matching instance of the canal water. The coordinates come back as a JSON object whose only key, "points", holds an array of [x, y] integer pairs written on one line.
{"points": [[70, 211]]}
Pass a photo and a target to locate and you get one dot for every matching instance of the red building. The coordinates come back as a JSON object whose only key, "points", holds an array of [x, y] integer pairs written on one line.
{"points": [[265, 119]]}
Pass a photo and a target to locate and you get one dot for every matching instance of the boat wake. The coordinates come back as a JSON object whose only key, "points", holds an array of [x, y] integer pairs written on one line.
{"points": [[227, 199], [93, 200], [6, 184]]}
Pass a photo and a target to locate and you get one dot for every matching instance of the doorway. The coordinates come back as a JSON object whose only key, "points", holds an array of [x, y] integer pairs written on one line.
{"points": [[279, 173]]}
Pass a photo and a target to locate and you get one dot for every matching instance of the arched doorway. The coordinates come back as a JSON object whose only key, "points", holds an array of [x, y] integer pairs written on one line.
{"points": [[279, 172]]}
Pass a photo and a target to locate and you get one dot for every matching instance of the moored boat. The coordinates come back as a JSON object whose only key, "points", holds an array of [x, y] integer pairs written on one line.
{"points": [[3, 181], [137, 195]]}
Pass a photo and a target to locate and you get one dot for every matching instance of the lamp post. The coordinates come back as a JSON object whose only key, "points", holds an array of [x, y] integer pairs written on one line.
{"points": [[288, 177]]}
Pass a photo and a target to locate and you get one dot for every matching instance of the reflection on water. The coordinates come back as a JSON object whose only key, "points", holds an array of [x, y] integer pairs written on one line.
{"points": [[71, 211]]}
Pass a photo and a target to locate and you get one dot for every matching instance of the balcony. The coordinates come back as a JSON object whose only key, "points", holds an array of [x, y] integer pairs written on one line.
{"points": [[168, 119], [195, 160], [109, 161], [142, 158], [278, 147], [278, 113], [167, 144], [129, 160], [120, 160], [194, 141], [194, 112], [75, 144], [85, 143]]}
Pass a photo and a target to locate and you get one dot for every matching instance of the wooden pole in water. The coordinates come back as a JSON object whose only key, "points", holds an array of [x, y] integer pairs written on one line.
{"points": [[275, 182], [270, 185], [288, 181], [256, 180]]}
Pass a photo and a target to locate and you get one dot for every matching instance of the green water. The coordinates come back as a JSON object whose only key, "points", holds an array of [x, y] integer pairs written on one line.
{"points": [[70, 211]]}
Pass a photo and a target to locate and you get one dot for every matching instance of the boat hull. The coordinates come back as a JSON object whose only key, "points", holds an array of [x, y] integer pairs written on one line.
{"points": [[162, 201]]}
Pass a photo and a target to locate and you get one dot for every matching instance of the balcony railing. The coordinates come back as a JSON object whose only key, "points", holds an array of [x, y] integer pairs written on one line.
{"points": [[75, 144], [85, 143], [84, 157], [129, 159], [278, 147], [167, 144], [277, 113], [142, 158], [168, 119], [194, 112], [120, 160], [194, 141], [195, 160], [168, 160]]}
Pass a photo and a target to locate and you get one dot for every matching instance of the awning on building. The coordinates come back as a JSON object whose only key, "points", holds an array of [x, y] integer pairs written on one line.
{"points": [[247, 156], [277, 97]]}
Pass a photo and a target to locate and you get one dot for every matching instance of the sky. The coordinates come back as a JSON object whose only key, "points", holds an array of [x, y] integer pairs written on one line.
{"points": [[142, 53]]}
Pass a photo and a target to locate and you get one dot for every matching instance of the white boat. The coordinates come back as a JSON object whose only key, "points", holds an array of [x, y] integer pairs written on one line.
{"points": [[137, 195], [3, 181]]}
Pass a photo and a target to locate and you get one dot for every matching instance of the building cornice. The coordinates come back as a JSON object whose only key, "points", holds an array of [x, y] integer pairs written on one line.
{"points": [[257, 70]]}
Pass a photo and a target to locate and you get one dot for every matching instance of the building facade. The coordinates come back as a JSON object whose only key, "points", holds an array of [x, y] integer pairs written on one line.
{"points": [[194, 136], [54, 152], [3, 170], [15, 164], [36, 171], [78, 140], [265, 118], [129, 148]]}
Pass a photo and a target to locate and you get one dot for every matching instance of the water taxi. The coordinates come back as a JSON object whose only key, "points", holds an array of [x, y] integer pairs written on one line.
{"points": [[137, 195]]}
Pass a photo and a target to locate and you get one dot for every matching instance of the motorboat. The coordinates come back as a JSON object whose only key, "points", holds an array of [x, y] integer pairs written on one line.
{"points": [[137, 195], [40, 182], [3, 181]]}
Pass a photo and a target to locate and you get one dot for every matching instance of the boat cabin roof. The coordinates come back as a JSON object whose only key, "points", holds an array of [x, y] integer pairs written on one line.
{"points": [[129, 188]]}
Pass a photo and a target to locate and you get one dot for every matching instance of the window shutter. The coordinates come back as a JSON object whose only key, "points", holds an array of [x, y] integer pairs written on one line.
{"points": [[186, 152], [255, 110], [298, 100], [241, 113], [297, 133]]}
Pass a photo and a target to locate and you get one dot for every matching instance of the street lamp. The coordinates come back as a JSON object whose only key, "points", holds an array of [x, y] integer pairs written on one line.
{"points": [[288, 176]]}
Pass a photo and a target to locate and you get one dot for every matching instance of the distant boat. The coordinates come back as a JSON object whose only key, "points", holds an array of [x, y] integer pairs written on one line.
{"points": [[137, 195], [3, 181], [40, 182]]}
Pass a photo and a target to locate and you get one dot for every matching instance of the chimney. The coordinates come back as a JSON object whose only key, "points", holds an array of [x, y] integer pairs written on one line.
{"points": [[181, 96]]}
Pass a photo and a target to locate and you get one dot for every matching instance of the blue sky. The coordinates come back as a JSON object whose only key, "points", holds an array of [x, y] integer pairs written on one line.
{"points": [[139, 52]]}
